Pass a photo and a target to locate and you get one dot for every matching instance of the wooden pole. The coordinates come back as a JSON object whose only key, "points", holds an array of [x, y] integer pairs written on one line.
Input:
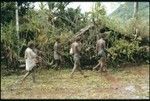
{"points": [[17, 21], [135, 15], [17, 26]]}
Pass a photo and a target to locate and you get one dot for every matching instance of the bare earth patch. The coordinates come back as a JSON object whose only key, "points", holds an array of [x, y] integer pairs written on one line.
{"points": [[128, 83]]}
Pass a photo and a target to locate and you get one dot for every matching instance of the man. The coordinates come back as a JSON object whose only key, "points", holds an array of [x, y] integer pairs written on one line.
{"points": [[31, 61], [100, 50], [57, 54], [75, 51]]}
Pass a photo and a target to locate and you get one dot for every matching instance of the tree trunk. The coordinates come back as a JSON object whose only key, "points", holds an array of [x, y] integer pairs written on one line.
{"points": [[82, 31], [17, 21], [135, 15], [17, 26]]}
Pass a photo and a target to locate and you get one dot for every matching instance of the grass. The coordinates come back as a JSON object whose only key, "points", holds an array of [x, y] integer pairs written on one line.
{"points": [[53, 84]]}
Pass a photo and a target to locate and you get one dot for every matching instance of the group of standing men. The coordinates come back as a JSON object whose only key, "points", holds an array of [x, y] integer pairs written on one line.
{"points": [[31, 57]]}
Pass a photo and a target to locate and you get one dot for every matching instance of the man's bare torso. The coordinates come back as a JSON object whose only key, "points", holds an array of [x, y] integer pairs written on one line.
{"points": [[76, 47], [57, 50], [101, 44], [56, 47]]}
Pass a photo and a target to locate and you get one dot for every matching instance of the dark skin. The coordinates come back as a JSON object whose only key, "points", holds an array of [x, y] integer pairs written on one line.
{"points": [[58, 40], [58, 62], [29, 72], [76, 50], [102, 62]]}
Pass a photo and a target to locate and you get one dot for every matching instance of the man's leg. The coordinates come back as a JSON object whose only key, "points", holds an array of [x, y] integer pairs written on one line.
{"points": [[94, 68], [104, 66], [33, 75], [25, 76], [59, 64], [78, 66], [73, 70], [80, 70], [100, 66], [103, 63], [99, 63], [56, 64], [21, 80]]}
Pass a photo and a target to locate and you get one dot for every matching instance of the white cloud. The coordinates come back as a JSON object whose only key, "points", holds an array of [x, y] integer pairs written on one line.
{"points": [[37, 5], [111, 6], [87, 6]]}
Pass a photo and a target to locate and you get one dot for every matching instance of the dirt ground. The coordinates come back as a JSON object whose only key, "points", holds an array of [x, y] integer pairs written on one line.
{"points": [[122, 83]]}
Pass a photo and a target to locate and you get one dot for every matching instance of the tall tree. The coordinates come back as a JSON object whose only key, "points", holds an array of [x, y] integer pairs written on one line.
{"points": [[17, 21], [17, 25], [7, 12], [135, 15]]}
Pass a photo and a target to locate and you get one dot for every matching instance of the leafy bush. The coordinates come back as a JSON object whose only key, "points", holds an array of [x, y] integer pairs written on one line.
{"points": [[44, 26], [127, 52]]}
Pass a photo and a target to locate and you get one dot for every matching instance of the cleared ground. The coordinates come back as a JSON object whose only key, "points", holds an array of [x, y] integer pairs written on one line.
{"points": [[123, 83]]}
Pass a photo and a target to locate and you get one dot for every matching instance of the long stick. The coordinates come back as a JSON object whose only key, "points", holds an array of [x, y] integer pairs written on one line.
{"points": [[17, 26]]}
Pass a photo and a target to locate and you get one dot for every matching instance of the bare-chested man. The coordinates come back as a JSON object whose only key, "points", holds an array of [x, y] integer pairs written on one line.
{"points": [[57, 54], [100, 50], [76, 49]]}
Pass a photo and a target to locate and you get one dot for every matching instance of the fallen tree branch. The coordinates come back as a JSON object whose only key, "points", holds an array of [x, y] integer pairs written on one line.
{"points": [[82, 31]]}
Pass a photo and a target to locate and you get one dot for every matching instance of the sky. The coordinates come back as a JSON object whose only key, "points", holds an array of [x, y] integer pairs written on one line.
{"points": [[87, 6]]}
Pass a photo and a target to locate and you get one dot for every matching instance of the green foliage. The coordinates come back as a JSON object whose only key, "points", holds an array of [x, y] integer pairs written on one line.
{"points": [[125, 11], [24, 7], [69, 18], [7, 12], [98, 12], [44, 26], [123, 51]]}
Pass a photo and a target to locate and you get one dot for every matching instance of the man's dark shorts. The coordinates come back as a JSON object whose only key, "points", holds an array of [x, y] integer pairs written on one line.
{"points": [[76, 58], [101, 54]]}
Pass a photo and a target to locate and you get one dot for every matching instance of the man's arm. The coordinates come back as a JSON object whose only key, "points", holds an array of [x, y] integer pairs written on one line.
{"points": [[33, 54], [104, 44], [79, 47], [97, 46], [25, 56], [71, 49], [59, 52]]}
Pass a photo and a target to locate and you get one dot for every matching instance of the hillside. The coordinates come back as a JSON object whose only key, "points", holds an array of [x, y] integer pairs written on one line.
{"points": [[125, 11]]}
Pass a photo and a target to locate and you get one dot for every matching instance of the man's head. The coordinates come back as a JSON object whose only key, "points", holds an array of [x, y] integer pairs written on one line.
{"points": [[78, 39], [57, 39], [31, 44], [70, 42], [101, 36]]}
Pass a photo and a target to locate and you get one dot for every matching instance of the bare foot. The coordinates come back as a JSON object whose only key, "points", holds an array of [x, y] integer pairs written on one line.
{"points": [[85, 76], [105, 70], [71, 77], [34, 81], [93, 69], [99, 71]]}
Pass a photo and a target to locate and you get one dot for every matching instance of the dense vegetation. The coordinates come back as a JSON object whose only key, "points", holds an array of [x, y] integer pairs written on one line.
{"points": [[125, 11], [44, 25]]}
